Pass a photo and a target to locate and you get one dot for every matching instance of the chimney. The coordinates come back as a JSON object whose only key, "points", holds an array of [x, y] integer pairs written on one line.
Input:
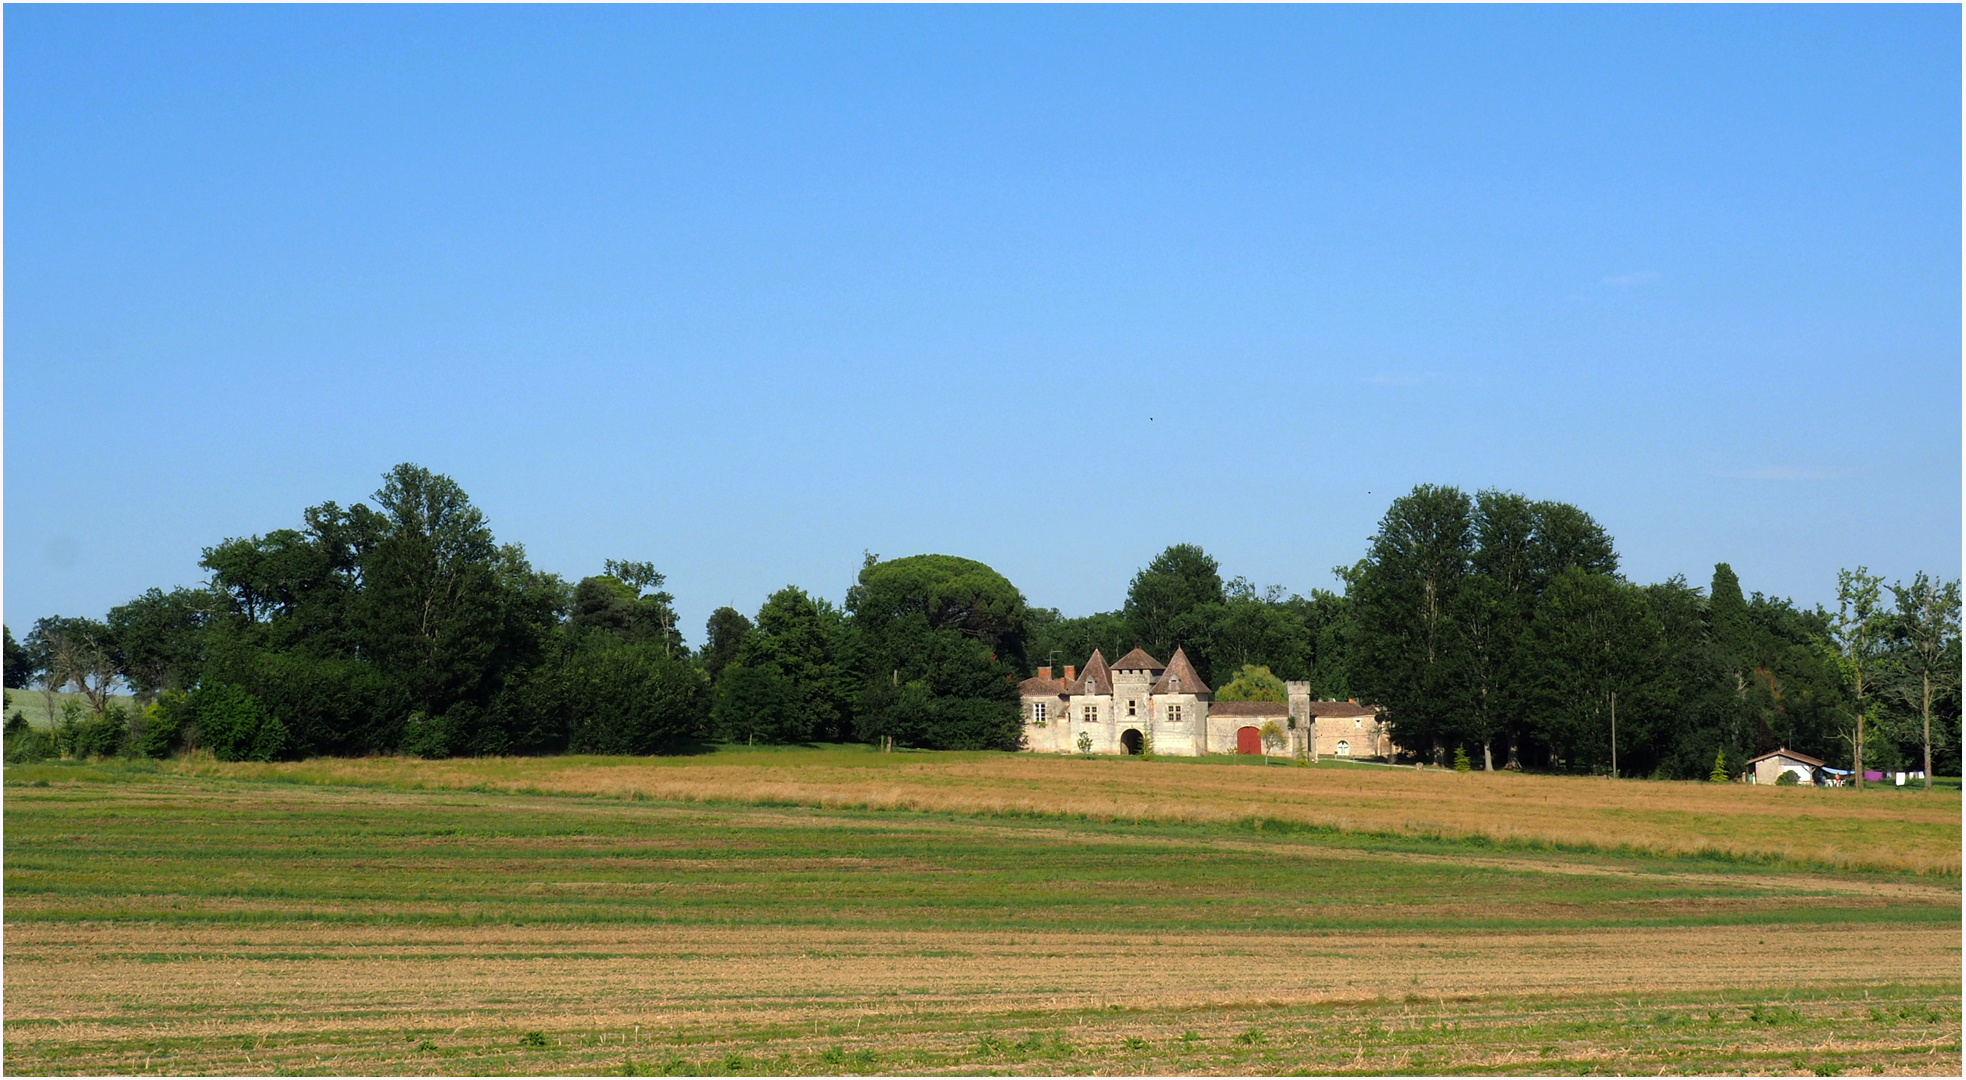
{"points": [[1044, 673], [1071, 672]]}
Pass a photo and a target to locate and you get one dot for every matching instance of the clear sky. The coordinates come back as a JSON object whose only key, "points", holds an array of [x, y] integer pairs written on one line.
{"points": [[745, 292]]}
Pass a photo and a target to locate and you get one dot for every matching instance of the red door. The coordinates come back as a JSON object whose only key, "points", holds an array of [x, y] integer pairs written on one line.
{"points": [[1249, 741]]}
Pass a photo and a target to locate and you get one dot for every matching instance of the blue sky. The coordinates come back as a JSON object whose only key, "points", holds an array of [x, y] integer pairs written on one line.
{"points": [[747, 291]]}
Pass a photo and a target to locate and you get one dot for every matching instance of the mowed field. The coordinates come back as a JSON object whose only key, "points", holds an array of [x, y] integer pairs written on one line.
{"points": [[842, 911]]}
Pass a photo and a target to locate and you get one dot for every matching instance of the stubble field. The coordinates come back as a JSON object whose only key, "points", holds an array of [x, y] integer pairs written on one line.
{"points": [[801, 912]]}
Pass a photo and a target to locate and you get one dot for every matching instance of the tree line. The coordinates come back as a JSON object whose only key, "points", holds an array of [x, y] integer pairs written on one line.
{"points": [[1489, 626]]}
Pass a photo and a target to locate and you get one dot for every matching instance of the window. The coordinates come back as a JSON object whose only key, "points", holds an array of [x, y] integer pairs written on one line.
{"points": [[1174, 714], [1037, 714], [1174, 684], [1344, 748], [1130, 709], [1092, 714], [1358, 723]]}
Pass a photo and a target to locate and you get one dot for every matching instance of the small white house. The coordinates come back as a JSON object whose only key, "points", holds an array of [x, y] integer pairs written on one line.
{"points": [[1769, 767]]}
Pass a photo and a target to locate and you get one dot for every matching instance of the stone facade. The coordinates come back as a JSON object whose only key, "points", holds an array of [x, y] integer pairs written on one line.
{"points": [[1139, 703]]}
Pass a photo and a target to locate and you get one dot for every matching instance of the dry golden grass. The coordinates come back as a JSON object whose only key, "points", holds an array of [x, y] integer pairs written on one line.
{"points": [[1831, 828], [666, 975], [347, 996], [181, 924]]}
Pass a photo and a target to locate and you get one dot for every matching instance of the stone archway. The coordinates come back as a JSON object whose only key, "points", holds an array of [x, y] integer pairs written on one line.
{"points": [[1249, 741], [1132, 740]]}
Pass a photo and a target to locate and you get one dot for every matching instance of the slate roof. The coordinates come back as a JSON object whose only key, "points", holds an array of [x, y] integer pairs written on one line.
{"points": [[1179, 669], [1097, 678], [1138, 660]]}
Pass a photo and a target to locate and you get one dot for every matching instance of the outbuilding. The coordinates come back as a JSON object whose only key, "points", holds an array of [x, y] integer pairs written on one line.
{"points": [[1769, 767]]}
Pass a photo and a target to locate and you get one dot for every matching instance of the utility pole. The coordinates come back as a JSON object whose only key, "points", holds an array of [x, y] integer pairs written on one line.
{"points": [[1614, 734]]}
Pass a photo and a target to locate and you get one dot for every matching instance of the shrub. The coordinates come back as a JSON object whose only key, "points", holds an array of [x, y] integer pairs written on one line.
{"points": [[1719, 773], [1787, 779], [166, 724], [1461, 762], [234, 726], [27, 743], [462, 729], [329, 705], [106, 734], [917, 713], [271, 743]]}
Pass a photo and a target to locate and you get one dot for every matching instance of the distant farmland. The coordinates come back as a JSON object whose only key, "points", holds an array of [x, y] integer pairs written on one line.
{"points": [[40, 708], [842, 911]]}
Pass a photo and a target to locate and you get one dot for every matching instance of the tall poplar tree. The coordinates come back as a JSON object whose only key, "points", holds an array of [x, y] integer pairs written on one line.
{"points": [[1859, 628], [1927, 632]]}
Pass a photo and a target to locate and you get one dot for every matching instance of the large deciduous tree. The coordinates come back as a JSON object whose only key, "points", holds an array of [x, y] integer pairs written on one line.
{"points": [[805, 640], [78, 652], [1176, 601], [431, 605], [366, 623], [1413, 656], [627, 600], [158, 639], [1596, 637], [1259, 628]]}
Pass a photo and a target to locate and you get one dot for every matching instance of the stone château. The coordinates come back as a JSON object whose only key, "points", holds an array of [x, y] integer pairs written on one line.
{"points": [[1140, 703]]}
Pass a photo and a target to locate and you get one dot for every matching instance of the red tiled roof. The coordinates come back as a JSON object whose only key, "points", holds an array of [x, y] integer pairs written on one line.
{"points": [[1138, 660], [1179, 670], [1041, 687]]}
